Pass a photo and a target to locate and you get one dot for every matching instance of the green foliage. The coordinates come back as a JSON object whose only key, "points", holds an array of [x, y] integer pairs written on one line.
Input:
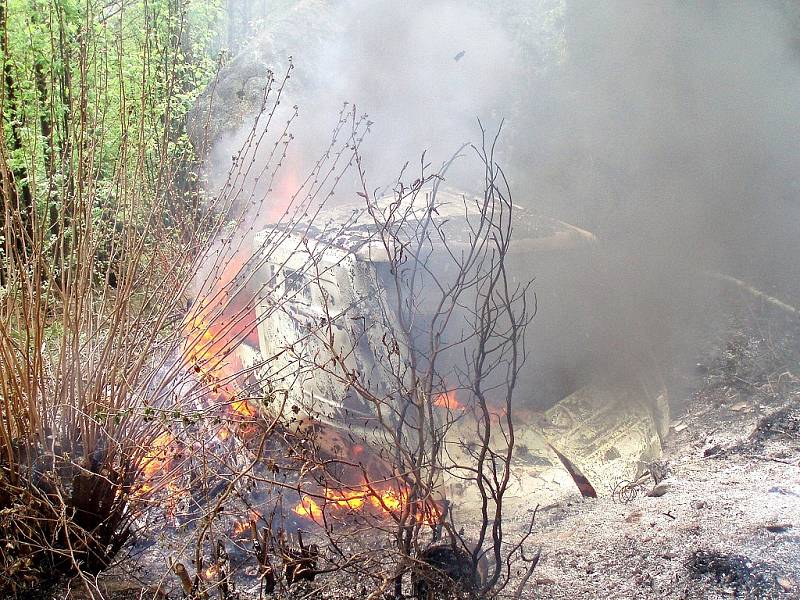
{"points": [[96, 78]]}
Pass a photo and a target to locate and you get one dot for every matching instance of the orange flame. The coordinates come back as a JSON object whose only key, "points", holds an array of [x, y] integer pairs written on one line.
{"points": [[158, 459], [209, 344], [223, 433], [308, 508], [447, 400], [240, 527], [243, 408], [207, 347], [157, 456], [286, 188], [353, 501], [211, 572], [386, 502]]}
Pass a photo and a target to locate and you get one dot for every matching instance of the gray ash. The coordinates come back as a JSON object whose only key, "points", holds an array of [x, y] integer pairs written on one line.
{"points": [[747, 579]]}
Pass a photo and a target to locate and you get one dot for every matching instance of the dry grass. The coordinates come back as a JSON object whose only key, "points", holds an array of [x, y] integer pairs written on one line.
{"points": [[93, 295]]}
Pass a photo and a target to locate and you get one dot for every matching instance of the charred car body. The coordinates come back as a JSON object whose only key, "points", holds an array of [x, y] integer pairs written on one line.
{"points": [[336, 292]]}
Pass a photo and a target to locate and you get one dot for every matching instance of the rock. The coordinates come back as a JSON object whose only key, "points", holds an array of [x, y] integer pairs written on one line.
{"points": [[634, 517], [787, 585], [659, 489], [711, 450], [678, 426]]}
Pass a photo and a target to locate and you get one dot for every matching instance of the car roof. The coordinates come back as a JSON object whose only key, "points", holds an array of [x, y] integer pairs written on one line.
{"points": [[356, 227]]}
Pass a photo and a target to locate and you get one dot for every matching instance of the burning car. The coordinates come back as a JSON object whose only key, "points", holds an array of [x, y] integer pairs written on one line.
{"points": [[331, 287]]}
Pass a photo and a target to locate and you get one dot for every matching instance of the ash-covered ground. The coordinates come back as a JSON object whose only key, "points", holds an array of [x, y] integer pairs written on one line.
{"points": [[728, 522], [723, 523]]}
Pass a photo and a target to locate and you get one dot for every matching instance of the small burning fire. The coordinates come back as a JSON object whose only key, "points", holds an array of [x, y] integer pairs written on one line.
{"points": [[223, 433], [157, 461], [384, 502], [242, 408], [159, 474], [241, 527], [211, 573], [447, 400], [209, 344], [308, 508]]}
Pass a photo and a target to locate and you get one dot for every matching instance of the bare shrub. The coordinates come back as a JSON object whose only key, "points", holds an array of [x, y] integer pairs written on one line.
{"points": [[93, 315], [134, 397], [384, 392]]}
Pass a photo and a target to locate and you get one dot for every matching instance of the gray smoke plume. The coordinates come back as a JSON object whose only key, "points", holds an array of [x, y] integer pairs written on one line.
{"points": [[669, 129], [672, 133]]}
